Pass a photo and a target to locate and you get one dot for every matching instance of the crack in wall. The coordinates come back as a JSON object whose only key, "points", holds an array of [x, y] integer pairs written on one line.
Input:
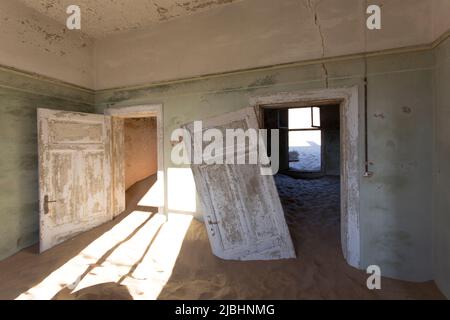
{"points": [[325, 71], [311, 5]]}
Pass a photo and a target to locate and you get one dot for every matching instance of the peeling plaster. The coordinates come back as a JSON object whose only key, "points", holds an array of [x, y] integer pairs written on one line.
{"points": [[35, 43], [103, 17], [31, 30], [406, 110]]}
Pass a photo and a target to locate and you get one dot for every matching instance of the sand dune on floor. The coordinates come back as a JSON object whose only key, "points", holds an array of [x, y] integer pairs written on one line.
{"points": [[318, 272], [142, 257]]}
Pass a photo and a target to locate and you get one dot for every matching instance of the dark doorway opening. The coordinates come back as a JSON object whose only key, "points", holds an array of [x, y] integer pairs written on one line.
{"points": [[308, 181]]}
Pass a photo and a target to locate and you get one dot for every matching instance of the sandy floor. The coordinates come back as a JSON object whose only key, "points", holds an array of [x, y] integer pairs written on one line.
{"points": [[133, 256], [309, 157]]}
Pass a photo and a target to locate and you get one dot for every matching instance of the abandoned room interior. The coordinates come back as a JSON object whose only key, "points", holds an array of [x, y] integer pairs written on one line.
{"points": [[104, 106]]}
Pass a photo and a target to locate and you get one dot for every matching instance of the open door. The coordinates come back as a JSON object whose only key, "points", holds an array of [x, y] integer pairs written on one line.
{"points": [[74, 174], [241, 207]]}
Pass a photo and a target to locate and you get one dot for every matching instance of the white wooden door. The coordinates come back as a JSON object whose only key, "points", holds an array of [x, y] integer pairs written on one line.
{"points": [[74, 174], [242, 210]]}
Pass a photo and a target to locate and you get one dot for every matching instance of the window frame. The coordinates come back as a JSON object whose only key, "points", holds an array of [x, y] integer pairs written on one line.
{"points": [[312, 128]]}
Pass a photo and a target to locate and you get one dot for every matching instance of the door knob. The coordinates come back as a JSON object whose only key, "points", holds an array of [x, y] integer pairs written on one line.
{"points": [[46, 202]]}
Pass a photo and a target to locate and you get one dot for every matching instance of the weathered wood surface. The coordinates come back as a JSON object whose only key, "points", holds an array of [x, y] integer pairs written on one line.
{"points": [[74, 174], [242, 209]]}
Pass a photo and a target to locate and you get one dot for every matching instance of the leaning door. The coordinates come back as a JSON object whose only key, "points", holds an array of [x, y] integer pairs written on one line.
{"points": [[74, 174], [241, 207]]}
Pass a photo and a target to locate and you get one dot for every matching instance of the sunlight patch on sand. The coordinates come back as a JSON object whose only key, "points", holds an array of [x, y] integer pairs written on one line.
{"points": [[155, 196], [152, 274], [68, 274], [138, 252], [119, 263], [181, 190]]}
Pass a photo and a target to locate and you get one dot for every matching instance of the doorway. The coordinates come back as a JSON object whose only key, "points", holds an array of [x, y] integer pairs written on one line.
{"points": [[137, 166], [349, 163], [140, 159], [309, 182]]}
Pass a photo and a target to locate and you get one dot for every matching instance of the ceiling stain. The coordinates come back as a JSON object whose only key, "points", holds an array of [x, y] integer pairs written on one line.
{"points": [[103, 17]]}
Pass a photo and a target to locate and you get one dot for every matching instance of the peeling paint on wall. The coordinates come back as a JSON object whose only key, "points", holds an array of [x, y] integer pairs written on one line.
{"points": [[103, 17], [396, 201], [19, 227], [33, 42]]}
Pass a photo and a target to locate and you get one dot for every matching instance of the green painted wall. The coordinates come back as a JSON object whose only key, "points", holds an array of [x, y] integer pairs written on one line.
{"points": [[441, 186], [396, 202], [20, 95]]}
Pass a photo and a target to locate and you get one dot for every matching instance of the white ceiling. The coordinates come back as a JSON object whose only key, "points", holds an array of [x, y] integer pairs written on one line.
{"points": [[103, 17]]}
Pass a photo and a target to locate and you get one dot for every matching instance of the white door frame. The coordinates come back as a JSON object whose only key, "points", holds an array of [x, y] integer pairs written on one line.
{"points": [[142, 111], [348, 99]]}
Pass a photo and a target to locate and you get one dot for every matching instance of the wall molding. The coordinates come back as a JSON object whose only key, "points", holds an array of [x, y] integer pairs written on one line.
{"points": [[25, 82], [408, 49], [69, 86]]}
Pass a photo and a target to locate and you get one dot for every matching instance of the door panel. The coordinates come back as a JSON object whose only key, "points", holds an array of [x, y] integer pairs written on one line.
{"points": [[230, 229], [241, 207], [94, 174], [74, 174], [67, 132], [61, 180]]}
